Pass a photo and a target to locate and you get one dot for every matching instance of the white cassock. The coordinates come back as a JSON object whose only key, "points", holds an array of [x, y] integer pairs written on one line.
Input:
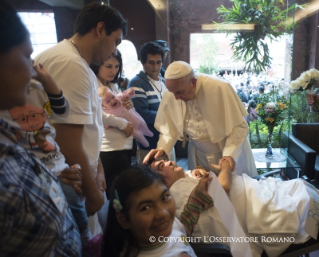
{"points": [[283, 216], [214, 122]]}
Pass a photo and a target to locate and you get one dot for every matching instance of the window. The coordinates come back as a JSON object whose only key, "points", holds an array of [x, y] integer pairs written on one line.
{"points": [[42, 30]]}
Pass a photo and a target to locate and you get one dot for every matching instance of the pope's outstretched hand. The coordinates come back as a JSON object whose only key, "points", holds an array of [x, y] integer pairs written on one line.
{"points": [[153, 154]]}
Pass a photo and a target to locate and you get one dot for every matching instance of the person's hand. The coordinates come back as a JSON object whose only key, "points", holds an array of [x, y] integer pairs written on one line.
{"points": [[45, 78], [153, 154], [230, 160], [203, 185], [198, 173], [127, 103], [42, 75], [72, 176], [100, 180], [128, 130]]}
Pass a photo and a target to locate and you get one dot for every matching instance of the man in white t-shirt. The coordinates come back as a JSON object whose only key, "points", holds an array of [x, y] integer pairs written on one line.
{"points": [[99, 29]]}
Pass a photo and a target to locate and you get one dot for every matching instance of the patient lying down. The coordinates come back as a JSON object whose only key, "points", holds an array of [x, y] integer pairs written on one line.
{"points": [[282, 216]]}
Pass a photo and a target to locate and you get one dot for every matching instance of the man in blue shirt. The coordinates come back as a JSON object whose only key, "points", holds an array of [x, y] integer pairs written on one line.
{"points": [[149, 89]]}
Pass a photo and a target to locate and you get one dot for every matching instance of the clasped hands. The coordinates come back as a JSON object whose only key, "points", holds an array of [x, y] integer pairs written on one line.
{"points": [[225, 162]]}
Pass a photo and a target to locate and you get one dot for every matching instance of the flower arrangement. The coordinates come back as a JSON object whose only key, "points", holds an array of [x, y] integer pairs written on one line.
{"points": [[271, 111], [307, 81]]}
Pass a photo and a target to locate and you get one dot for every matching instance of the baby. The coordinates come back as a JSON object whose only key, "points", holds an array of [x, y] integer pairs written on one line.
{"points": [[112, 105]]}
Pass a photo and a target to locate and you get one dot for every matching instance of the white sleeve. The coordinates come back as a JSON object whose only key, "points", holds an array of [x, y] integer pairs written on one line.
{"points": [[235, 140], [166, 143], [74, 79], [112, 121]]}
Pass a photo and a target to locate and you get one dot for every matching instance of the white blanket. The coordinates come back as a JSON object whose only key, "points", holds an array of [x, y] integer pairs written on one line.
{"points": [[211, 224]]}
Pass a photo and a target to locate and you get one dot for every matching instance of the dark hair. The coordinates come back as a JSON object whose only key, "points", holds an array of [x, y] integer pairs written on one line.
{"points": [[151, 48], [94, 13], [261, 89], [116, 239], [95, 68], [12, 30]]}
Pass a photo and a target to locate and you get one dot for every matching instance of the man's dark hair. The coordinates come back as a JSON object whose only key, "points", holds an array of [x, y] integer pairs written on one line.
{"points": [[94, 13], [12, 30], [261, 89], [151, 48]]}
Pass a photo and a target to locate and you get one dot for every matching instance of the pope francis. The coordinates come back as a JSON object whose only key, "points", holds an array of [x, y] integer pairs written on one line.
{"points": [[207, 112]]}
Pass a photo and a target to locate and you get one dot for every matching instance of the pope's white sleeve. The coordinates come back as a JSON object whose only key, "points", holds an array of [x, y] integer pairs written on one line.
{"points": [[234, 142], [166, 143]]}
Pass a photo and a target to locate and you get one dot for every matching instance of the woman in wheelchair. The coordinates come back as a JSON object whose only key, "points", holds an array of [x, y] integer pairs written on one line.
{"points": [[289, 211]]}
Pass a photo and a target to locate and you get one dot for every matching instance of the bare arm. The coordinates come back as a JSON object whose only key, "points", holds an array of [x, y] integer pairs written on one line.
{"points": [[225, 176], [100, 177], [69, 138]]}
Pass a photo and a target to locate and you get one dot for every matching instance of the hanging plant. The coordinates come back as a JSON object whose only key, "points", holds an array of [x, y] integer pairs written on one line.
{"points": [[268, 17]]}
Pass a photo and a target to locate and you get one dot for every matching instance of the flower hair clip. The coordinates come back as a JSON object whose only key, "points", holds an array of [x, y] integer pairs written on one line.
{"points": [[116, 203]]}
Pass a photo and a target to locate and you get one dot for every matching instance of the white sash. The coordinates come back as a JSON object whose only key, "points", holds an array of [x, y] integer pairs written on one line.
{"points": [[228, 215]]}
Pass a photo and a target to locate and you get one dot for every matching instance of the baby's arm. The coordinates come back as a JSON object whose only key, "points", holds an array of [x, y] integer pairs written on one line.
{"points": [[55, 95], [129, 93], [110, 120], [198, 201]]}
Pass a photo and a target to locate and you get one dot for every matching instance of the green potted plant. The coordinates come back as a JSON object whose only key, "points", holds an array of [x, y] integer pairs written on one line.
{"points": [[268, 17]]}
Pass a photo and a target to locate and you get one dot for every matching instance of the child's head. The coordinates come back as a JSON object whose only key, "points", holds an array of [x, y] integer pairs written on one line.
{"points": [[143, 207], [109, 100]]}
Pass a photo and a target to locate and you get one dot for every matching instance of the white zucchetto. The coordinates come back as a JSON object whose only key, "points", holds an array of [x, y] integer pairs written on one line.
{"points": [[177, 69]]}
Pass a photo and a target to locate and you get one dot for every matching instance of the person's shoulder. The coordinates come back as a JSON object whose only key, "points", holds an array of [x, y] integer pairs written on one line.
{"points": [[209, 80], [138, 78], [60, 54], [141, 81]]}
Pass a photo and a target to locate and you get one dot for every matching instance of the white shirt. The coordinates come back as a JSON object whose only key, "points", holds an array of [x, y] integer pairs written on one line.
{"points": [[79, 84], [172, 248], [114, 139], [39, 141], [158, 85]]}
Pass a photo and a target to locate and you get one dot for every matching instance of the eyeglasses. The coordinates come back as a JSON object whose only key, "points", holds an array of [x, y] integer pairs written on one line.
{"points": [[31, 116]]}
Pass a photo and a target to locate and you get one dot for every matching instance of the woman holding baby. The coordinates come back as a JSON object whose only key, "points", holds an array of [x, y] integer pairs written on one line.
{"points": [[117, 139]]}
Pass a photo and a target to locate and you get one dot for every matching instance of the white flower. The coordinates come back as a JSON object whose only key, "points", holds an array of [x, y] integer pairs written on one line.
{"points": [[312, 73], [271, 105], [315, 74], [303, 84], [305, 76], [294, 85]]}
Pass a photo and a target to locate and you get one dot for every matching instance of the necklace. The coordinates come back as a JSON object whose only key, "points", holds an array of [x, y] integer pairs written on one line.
{"points": [[159, 91], [72, 42], [185, 137]]}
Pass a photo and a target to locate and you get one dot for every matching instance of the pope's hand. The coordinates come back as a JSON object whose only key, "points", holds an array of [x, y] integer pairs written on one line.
{"points": [[153, 154], [230, 160]]}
